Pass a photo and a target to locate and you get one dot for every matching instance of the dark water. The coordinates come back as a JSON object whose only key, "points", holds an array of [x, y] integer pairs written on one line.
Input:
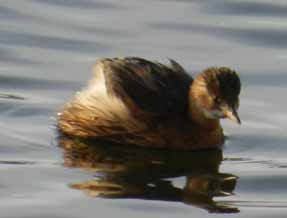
{"points": [[47, 49]]}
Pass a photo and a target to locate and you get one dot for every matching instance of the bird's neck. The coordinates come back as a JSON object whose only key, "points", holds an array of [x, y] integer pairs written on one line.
{"points": [[196, 115]]}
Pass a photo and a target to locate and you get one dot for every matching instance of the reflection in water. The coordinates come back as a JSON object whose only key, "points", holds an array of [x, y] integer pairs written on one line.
{"points": [[134, 172]]}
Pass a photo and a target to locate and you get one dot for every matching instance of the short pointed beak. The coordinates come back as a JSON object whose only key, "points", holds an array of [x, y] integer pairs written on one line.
{"points": [[232, 114]]}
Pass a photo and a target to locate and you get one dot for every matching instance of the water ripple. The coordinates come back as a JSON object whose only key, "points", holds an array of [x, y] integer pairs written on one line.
{"points": [[9, 56], [257, 203], [7, 81], [262, 37], [50, 42], [241, 7], [245, 8], [12, 162], [11, 14], [84, 4], [263, 163], [11, 96]]}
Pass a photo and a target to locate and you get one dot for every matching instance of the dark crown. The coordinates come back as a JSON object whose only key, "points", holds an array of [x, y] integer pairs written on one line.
{"points": [[228, 81]]}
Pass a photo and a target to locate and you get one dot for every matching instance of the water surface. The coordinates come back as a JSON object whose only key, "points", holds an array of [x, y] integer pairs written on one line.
{"points": [[47, 49]]}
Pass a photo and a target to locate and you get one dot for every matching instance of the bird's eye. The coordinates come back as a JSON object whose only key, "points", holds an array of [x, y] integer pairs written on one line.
{"points": [[216, 100]]}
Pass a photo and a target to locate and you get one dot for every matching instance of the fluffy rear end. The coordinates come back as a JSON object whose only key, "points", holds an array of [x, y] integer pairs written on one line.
{"points": [[94, 113]]}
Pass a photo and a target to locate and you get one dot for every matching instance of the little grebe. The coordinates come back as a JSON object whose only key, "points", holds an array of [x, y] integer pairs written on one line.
{"points": [[135, 101]]}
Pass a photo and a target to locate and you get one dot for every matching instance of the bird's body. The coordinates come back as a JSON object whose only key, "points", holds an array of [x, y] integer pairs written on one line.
{"points": [[139, 102]]}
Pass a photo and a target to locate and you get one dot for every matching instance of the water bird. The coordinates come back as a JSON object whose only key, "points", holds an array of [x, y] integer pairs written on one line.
{"points": [[135, 101]]}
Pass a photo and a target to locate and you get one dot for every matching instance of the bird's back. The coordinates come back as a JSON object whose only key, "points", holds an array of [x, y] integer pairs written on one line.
{"points": [[152, 86]]}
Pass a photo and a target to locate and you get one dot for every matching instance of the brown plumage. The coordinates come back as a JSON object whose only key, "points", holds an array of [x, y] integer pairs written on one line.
{"points": [[136, 101]]}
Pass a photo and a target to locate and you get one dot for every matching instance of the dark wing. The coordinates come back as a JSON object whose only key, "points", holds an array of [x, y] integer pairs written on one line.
{"points": [[153, 87]]}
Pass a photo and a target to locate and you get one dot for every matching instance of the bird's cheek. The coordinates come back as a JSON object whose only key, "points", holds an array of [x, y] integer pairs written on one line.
{"points": [[218, 114], [214, 114]]}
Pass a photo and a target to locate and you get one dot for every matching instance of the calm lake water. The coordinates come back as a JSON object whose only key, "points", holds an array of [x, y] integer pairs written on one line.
{"points": [[47, 49]]}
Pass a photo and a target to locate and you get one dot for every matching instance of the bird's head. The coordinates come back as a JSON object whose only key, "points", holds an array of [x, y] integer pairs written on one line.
{"points": [[216, 93]]}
